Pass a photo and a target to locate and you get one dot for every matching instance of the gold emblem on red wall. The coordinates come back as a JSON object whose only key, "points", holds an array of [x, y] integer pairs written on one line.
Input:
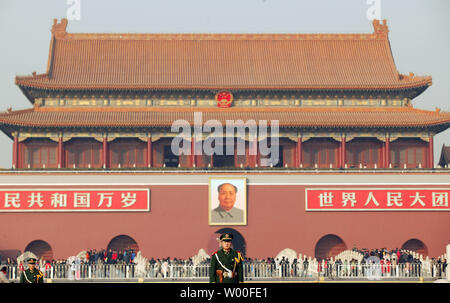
{"points": [[224, 99]]}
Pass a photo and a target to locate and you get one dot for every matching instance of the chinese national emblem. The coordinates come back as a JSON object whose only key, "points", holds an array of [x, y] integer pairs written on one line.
{"points": [[224, 99]]}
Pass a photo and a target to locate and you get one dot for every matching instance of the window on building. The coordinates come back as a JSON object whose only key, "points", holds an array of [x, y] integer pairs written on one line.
{"points": [[223, 160], [39, 153], [83, 153], [127, 152], [283, 154], [364, 152], [409, 152], [320, 151], [170, 159]]}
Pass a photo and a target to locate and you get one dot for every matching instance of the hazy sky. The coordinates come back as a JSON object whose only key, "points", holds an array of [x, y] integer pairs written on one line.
{"points": [[419, 34]]}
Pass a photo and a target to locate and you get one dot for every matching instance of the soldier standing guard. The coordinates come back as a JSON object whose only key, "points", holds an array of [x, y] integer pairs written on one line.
{"points": [[226, 263], [32, 274]]}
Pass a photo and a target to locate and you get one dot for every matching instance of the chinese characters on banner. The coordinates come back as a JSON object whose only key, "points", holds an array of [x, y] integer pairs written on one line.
{"points": [[372, 199], [74, 200]]}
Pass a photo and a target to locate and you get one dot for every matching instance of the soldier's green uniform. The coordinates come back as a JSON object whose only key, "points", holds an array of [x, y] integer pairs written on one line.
{"points": [[232, 261], [32, 276]]}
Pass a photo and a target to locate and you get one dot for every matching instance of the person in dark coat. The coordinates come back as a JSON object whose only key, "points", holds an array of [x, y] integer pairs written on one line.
{"points": [[226, 263], [32, 274]]}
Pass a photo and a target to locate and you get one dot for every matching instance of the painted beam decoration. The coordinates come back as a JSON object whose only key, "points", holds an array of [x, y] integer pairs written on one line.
{"points": [[68, 199], [377, 199]]}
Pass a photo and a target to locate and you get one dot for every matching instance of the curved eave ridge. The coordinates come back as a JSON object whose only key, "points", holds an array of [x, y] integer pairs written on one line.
{"points": [[292, 117]]}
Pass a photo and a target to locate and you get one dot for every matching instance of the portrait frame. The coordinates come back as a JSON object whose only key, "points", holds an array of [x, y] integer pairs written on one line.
{"points": [[240, 203]]}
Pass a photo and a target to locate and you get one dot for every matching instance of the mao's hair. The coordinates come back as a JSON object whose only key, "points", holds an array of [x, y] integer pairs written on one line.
{"points": [[220, 186]]}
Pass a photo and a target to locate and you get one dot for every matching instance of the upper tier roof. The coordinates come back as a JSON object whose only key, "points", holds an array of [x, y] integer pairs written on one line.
{"points": [[222, 61]]}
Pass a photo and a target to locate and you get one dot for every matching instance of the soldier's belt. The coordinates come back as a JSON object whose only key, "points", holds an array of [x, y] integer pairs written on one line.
{"points": [[228, 274]]}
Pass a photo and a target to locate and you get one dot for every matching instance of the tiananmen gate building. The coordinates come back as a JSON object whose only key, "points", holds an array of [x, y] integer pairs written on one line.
{"points": [[93, 165]]}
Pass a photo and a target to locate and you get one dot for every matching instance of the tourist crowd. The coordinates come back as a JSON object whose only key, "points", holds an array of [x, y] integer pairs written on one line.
{"points": [[360, 263], [382, 262], [110, 256]]}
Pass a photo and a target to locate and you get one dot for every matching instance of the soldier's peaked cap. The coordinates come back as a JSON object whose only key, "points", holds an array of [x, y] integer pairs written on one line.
{"points": [[226, 237], [32, 261]]}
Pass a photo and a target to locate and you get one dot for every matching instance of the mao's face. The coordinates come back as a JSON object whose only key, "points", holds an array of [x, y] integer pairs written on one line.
{"points": [[227, 196]]}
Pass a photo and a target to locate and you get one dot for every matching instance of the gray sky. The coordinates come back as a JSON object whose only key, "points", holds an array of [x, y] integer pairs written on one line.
{"points": [[419, 34]]}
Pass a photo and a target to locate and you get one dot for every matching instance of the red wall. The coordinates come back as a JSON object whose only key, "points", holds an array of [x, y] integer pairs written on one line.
{"points": [[177, 225]]}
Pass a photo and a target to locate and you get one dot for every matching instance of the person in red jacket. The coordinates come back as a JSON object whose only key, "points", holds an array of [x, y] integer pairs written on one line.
{"points": [[388, 267], [47, 269], [114, 257]]}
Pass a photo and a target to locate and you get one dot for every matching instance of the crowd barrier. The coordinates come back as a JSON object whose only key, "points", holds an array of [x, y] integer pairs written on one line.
{"points": [[341, 271], [252, 271]]}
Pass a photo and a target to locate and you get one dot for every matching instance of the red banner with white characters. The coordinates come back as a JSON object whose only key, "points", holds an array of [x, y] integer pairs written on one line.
{"points": [[377, 199], [74, 199]]}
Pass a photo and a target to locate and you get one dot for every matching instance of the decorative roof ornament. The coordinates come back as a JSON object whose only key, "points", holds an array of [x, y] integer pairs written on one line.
{"points": [[381, 30], [59, 29]]}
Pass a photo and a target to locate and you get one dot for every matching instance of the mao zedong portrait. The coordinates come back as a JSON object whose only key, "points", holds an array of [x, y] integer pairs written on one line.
{"points": [[226, 212]]}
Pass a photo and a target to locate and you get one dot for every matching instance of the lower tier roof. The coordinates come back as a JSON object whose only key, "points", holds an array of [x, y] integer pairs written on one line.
{"points": [[383, 117]]}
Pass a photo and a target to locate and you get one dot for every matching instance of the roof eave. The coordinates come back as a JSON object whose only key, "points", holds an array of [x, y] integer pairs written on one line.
{"points": [[440, 125], [419, 86]]}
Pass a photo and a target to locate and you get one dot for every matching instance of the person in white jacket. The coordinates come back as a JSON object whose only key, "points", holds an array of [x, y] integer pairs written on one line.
{"points": [[165, 268], [3, 278]]}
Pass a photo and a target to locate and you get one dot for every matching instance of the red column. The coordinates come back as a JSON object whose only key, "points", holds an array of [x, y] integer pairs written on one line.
{"points": [[344, 152], [298, 152], [430, 153], [255, 152], [339, 156], [105, 152], [15, 152], [258, 157], [247, 148], [193, 164], [149, 153], [342, 157], [60, 152], [387, 152], [235, 154]]}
